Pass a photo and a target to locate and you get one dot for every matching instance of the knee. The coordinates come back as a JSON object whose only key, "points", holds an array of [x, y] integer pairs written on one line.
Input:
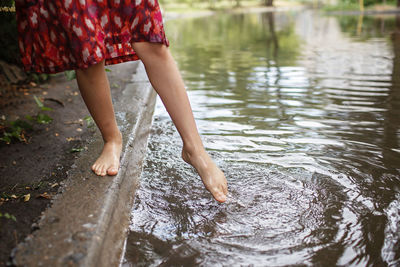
{"points": [[92, 69], [155, 51]]}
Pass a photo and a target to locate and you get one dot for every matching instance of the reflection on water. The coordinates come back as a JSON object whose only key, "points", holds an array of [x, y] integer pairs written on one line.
{"points": [[302, 113]]}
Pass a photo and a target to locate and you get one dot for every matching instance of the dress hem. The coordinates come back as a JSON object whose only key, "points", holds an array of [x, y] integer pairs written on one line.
{"points": [[108, 61]]}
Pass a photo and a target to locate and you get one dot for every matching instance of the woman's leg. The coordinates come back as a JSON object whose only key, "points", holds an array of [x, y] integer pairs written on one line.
{"points": [[95, 90], [166, 80]]}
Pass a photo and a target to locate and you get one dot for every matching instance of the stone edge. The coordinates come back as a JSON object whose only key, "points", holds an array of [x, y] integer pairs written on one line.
{"points": [[100, 227]]}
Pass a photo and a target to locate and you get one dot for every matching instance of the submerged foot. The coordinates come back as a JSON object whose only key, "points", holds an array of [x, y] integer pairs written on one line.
{"points": [[108, 162], [213, 178]]}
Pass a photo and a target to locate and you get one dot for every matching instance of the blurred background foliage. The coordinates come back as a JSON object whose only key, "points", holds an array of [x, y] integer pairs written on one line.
{"points": [[8, 33], [9, 51]]}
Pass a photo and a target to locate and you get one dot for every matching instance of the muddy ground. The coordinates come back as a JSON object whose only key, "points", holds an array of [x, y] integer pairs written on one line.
{"points": [[32, 169]]}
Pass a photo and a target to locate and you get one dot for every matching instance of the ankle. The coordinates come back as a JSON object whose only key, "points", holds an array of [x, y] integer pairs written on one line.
{"points": [[113, 138], [193, 150]]}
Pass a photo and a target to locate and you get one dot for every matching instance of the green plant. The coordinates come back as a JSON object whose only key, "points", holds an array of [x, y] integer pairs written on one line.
{"points": [[40, 117], [39, 77], [9, 51], [16, 130], [89, 121], [5, 195], [115, 85], [70, 74], [76, 149], [8, 216], [40, 104]]}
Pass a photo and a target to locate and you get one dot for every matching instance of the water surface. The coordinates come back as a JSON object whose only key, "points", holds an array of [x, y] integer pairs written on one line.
{"points": [[302, 113]]}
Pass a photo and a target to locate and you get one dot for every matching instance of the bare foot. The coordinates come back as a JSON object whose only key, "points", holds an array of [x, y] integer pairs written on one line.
{"points": [[108, 162], [213, 178]]}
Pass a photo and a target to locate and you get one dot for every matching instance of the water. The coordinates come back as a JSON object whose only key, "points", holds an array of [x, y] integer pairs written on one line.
{"points": [[302, 112]]}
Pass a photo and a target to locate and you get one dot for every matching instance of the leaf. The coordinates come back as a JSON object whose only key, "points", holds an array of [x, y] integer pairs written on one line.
{"points": [[89, 121], [6, 139], [8, 216], [107, 70], [43, 118], [16, 133], [76, 149], [44, 195], [27, 197], [38, 102], [46, 109], [41, 105], [29, 117], [70, 74], [44, 76], [22, 124], [35, 77]]}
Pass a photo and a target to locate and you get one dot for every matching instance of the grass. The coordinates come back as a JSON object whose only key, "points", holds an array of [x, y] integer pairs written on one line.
{"points": [[8, 216], [184, 7], [356, 7], [341, 6], [17, 130]]}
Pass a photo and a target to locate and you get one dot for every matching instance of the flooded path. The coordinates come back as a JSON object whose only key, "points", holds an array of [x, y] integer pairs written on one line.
{"points": [[302, 112]]}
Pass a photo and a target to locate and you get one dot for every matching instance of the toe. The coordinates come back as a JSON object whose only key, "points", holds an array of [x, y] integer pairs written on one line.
{"points": [[112, 171], [219, 194], [96, 169], [221, 197], [103, 171]]}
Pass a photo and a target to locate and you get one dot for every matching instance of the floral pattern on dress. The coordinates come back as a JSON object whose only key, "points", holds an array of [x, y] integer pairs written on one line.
{"points": [[61, 35]]}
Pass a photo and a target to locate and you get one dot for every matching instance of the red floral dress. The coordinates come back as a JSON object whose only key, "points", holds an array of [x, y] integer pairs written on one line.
{"points": [[58, 35]]}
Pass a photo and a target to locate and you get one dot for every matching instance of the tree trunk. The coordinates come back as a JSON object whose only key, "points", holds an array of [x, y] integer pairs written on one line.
{"points": [[361, 5], [211, 4], [270, 2]]}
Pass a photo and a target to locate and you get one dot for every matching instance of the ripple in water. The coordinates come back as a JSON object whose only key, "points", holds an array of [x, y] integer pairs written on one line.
{"points": [[268, 215], [307, 133]]}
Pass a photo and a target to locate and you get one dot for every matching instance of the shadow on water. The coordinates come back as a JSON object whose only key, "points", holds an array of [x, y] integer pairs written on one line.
{"points": [[301, 111]]}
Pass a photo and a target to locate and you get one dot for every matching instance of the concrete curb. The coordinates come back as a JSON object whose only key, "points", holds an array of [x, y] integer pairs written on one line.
{"points": [[86, 224]]}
